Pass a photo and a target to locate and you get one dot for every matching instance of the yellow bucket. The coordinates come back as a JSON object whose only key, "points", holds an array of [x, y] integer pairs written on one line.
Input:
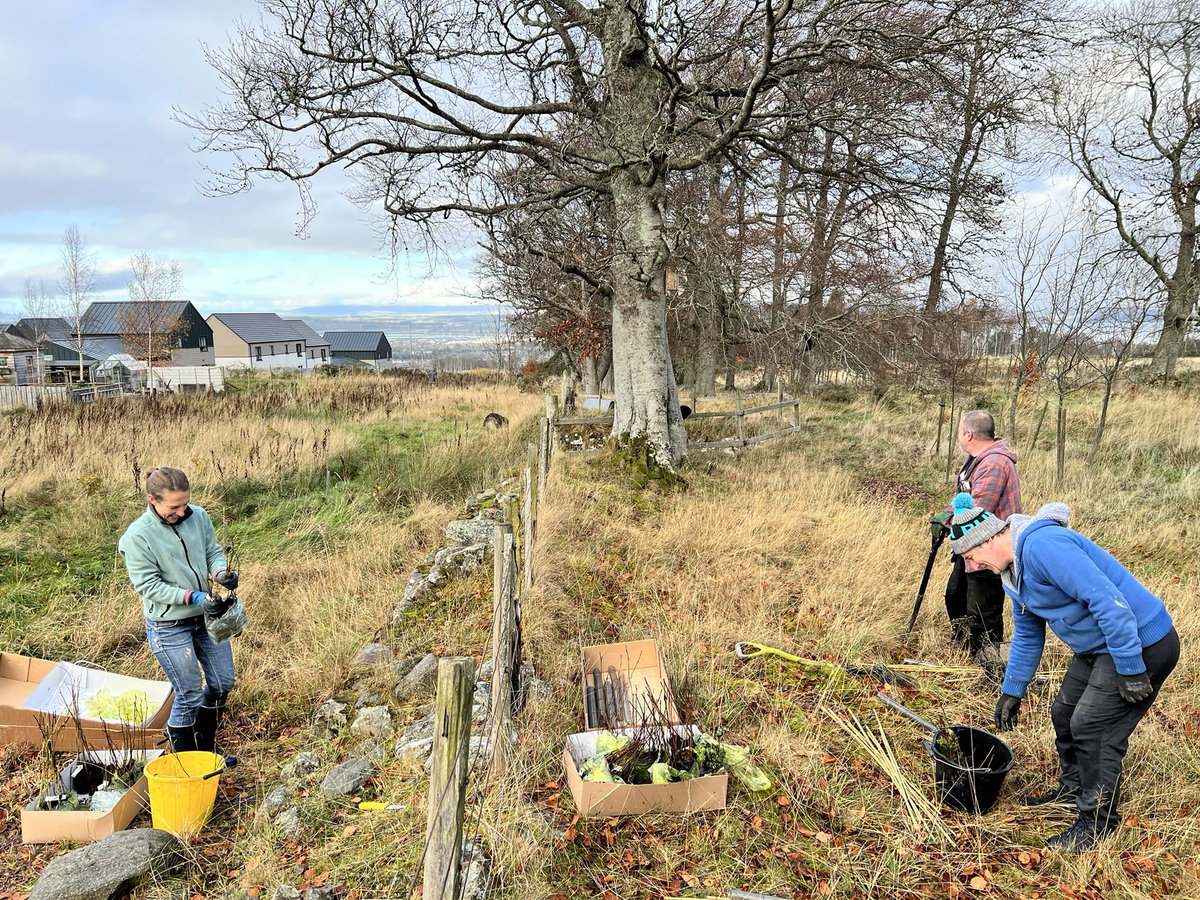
{"points": [[183, 788]]}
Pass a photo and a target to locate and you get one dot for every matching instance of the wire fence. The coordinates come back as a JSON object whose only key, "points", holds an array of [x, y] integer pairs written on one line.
{"points": [[477, 779]]}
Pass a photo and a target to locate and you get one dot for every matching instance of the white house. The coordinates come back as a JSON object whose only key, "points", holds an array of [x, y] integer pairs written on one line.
{"points": [[259, 341]]}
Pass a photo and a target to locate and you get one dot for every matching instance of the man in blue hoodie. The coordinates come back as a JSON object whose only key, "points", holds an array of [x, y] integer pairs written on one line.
{"points": [[1124, 641]]}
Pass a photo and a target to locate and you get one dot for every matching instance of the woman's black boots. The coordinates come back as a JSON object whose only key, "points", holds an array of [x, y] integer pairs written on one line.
{"points": [[208, 720], [182, 738]]}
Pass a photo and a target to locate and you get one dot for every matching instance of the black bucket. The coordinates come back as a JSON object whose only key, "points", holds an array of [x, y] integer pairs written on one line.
{"points": [[972, 785]]}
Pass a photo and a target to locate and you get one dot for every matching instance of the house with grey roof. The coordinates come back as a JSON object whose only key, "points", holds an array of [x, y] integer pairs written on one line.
{"points": [[316, 347], [61, 352], [171, 328], [18, 359], [365, 346], [260, 341]]}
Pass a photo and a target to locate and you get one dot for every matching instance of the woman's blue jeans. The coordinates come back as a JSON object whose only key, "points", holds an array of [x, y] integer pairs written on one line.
{"points": [[200, 671]]}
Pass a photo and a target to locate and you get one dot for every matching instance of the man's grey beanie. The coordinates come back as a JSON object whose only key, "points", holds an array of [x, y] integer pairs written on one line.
{"points": [[971, 524]]}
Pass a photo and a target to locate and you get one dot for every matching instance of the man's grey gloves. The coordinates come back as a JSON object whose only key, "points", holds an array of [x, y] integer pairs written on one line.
{"points": [[1134, 688]]}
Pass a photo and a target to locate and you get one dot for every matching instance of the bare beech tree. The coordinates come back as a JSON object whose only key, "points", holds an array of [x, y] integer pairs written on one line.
{"points": [[429, 102], [75, 284], [1128, 115]]}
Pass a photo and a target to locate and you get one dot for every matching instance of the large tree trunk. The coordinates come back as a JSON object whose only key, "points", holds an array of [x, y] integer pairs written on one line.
{"points": [[591, 374], [1181, 301], [647, 404], [646, 414]]}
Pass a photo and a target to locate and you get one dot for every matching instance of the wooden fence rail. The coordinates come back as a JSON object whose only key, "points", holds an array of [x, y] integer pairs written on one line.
{"points": [[740, 413]]}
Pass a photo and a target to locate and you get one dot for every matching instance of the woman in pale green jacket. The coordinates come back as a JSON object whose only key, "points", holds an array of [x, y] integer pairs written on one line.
{"points": [[171, 552]]}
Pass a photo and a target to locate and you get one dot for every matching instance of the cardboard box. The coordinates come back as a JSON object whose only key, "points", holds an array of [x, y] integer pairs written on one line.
{"points": [[606, 799], [641, 685], [41, 826], [38, 689]]}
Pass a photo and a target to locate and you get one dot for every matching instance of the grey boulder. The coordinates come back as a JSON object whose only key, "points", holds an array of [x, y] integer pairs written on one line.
{"points": [[347, 778], [113, 867]]}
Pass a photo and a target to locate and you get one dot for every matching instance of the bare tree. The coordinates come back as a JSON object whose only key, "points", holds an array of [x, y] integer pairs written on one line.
{"points": [[1027, 271], [983, 88], [1128, 116], [38, 305], [430, 101], [76, 283], [1120, 327], [150, 322]]}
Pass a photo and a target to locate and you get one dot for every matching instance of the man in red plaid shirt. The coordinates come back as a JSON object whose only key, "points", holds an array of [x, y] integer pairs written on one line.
{"points": [[975, 600]]}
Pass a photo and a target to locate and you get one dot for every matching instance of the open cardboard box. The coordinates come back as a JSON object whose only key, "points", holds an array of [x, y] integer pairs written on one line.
{"points": [[643, 685], [43, 826], [33, 690]]}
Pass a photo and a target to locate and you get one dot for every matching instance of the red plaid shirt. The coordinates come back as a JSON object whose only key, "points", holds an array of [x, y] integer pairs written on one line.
{"points": [[991, 478]]}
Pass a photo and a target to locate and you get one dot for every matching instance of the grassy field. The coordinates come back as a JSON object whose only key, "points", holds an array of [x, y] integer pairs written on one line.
{"points": [[328, 489], [816, 547], [813, 543]]}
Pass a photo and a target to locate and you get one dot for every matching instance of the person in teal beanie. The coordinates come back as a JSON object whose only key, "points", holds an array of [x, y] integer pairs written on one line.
{"points": [[1124, 641], [170, 553]]}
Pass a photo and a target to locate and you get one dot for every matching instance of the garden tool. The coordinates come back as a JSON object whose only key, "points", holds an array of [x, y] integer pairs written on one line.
{"points": [[969, 764], [935, 544], [744, 650]]}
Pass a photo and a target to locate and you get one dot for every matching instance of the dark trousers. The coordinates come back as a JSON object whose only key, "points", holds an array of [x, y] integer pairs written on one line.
{"points": [[975, 604], [1092, 724]]}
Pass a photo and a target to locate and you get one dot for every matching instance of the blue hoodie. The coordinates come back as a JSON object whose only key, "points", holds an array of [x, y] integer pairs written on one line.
{"points": [[1089, 599]]}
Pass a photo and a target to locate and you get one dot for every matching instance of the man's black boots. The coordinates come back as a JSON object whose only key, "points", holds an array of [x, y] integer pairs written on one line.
{"points": [[1063, 795], [182, 738], [1084, 834]]}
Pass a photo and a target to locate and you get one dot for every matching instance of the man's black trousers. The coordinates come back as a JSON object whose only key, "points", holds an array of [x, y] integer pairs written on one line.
{"points": [[1092, 724], [975, 604]]}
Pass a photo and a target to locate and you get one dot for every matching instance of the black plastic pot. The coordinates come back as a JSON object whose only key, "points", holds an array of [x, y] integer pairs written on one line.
{"points": [[974, 784]]}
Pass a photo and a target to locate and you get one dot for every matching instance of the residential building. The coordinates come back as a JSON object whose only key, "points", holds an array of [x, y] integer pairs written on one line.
{"points": [[18, 359], [316, 347], [259, 341], [171, 329], [365, 346], [60, 350]]}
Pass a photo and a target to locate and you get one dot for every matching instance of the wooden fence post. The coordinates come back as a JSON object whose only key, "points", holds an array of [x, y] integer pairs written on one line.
{"points": [[1060, 447], [448, 777], [937, 442], [530, 514], [741, 417], [951, 435], [503, 634], [543, 462]]}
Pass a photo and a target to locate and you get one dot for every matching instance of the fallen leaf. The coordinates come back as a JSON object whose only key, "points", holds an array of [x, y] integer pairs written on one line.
{"points": [[979, 883], [782, 800], [824, 889], [349, 830], [824, 837]]}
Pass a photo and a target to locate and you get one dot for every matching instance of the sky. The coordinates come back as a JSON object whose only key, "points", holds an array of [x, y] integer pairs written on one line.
{"points": [[89, 140]]}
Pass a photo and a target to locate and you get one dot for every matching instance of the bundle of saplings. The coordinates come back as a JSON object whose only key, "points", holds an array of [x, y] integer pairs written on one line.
{"points": [[662, 756]]}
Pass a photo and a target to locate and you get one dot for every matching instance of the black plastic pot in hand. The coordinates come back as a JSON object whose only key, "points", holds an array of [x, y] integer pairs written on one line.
{"points": [[969, 780]]}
